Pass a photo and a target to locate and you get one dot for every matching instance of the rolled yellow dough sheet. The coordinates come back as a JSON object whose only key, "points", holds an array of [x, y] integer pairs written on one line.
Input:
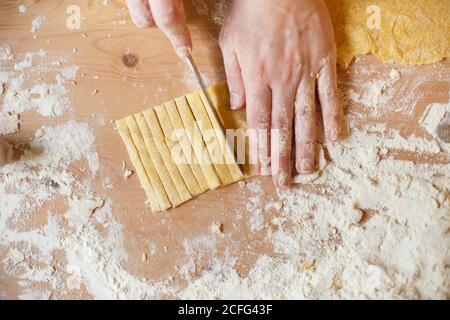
{"points": [[158, 162], [148, 164], [173, 146], [403, 32], [137, 163]]}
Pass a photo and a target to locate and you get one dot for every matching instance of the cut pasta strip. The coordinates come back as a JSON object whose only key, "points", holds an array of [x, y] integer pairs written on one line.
{"points": [[125, 134], [147, 162], [195, 137], [179, 133], [158, 162], [179, 149], [209, 135], [158, 136], [235, 120], [235, 170], [176, 151]]}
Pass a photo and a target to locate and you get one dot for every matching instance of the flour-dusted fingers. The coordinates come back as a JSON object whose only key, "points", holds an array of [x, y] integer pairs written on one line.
{"points": [[169, 17], [329, 97], [140, 13], [281, 134], [259, 105], [234, 79], [305, 125]]}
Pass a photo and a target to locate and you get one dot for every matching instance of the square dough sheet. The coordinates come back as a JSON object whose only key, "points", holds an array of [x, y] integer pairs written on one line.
{"points": [[171, 165]]}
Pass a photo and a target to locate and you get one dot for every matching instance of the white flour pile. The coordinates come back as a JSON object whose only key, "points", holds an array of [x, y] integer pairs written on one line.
{"points": [[373, 227]]}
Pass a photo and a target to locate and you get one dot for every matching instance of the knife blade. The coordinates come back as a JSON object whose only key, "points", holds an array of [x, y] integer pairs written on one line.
{"points": [[189, 60]]}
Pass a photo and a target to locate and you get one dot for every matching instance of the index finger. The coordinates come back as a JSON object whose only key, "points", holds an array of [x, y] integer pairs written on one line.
{"points": [[169, 17], [140, 13], [329, 98]]}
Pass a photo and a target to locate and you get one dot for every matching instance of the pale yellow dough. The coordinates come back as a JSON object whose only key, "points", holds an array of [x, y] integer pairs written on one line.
{"points": [[185, 169], [192, 130], [185, 144], [153, 145], [158, 136], [213, 145], [148, 164], [236, 120], [125, 133], [158, 162], [235, 171], [412, 31]]}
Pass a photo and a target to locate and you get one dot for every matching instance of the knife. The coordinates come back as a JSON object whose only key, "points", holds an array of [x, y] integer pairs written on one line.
{"points": [[189, 61]]}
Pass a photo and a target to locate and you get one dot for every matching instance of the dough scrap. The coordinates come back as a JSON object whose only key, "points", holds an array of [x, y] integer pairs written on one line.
{"points": [[411, 32]]}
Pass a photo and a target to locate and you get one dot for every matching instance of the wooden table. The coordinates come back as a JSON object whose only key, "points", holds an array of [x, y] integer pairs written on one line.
{"points": [[99, 47]]}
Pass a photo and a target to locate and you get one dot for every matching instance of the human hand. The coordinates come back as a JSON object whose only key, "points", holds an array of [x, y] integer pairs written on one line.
{"points": [[276, 54], [167, 15]]}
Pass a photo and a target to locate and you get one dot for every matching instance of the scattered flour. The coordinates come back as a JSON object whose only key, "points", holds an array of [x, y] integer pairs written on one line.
{"points": [[372, 94], [373, 226], [37, 23], [49, 99], [383, 234], [378, 230], [28, 60], [9, 124], [93, 258], [23, 8], [6, 53], [432, 118]]}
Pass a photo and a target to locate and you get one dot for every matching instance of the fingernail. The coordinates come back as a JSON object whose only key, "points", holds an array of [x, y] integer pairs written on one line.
{"points": [[235, 100], [183, 51], [306, 166]]}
